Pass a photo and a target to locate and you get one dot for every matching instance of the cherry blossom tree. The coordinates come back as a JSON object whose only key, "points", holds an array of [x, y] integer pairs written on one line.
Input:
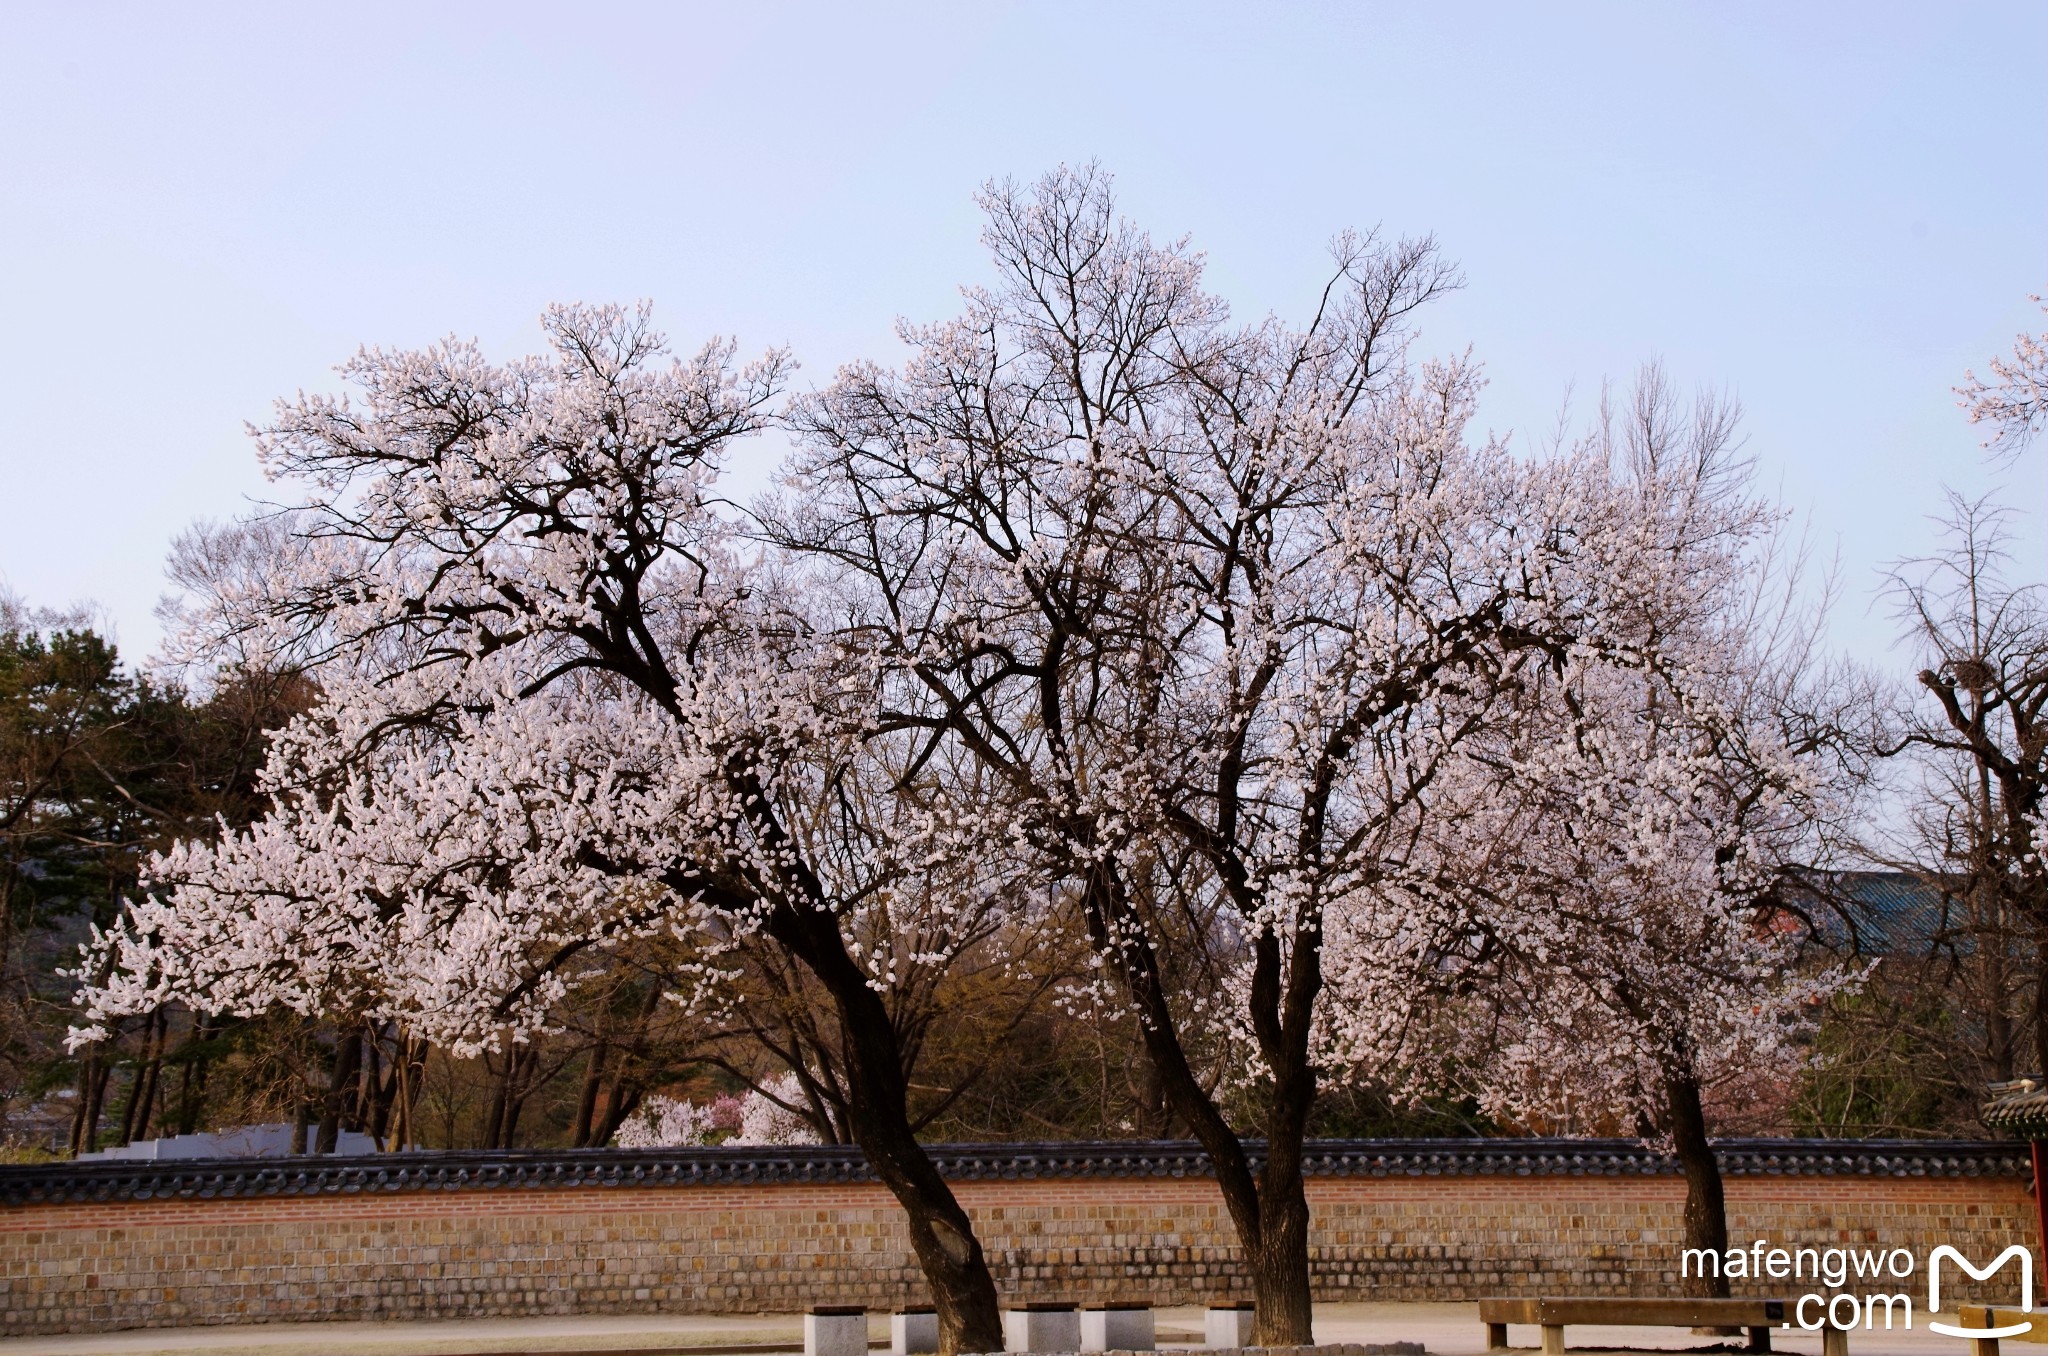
{"points": [[565, 708], [1223, 606], [2014, 402], [1660, 790]]}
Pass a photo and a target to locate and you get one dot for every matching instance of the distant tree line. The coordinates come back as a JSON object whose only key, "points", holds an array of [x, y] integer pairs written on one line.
{"points": [[99, 768]]}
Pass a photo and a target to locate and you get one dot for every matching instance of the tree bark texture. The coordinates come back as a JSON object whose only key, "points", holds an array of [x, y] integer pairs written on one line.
{"points": [[963, 1290], [1268, 1209], [1706, 1212], [85, 1125], [348, 1055], [586, 1100]]}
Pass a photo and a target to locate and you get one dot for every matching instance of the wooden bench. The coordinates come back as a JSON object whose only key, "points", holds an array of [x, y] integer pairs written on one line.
{"points": [[1552, 1315], [1988, 1316]]}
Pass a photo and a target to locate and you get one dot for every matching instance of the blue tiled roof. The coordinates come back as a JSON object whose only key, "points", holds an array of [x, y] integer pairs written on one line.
{"points": [[1877, 913]]}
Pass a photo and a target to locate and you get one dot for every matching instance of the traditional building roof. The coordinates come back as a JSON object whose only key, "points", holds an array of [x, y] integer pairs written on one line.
{"points": [[2019, 1107], [1874, 913]]}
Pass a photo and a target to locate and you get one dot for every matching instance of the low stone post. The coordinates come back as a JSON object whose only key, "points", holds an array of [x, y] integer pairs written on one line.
{"points": [[1042, 1327], [1229, 1325], [1117, 1327], [836, 1330], [914, 1329]]}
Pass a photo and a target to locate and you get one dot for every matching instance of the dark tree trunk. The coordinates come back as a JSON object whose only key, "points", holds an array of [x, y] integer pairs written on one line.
{"points": [[1706, 1213], [501, 1094], [586, 1101], [187, 1090], [92, 1095], [1154, 1112], [516, 1090], [381, 1086], [192, 1082], [508, 1133], [369, 1085], [624, 1064], [142, 1091], [830, 1129], [1284, 1013], [2041, 1000], [1269, 1209], [348, 1055], [1998, 1027], [410, 1064], [963, 1291], [145, 1104], [510, 1099], [621, 1100], [9, 868], [1992, 952], [124, 1135], [1280, 1270], [942, 1236]]}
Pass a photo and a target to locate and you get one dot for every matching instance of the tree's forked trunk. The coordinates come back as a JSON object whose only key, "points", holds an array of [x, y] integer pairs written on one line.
{"points": [[85, 1122], [1268, 1209], [192, 1084], [411, 1063], [348, 1056], [142, 1087], [1281, 1281]]}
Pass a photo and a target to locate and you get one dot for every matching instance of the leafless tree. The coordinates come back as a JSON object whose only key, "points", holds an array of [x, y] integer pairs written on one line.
{"points": [[1977, 741]]}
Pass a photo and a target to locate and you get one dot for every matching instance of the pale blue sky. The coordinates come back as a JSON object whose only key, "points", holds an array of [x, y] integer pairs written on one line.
{"points": [[1832, 209]]}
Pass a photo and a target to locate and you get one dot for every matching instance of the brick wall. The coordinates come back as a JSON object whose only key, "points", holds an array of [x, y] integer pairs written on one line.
{"points": [[124, 1263]]}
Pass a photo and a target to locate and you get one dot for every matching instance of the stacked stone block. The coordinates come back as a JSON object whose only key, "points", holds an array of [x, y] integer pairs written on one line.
{"points": [[106, 1265]]}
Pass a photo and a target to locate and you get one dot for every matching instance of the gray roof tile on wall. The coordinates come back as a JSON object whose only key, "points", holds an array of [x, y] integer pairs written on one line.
{"points": [[52, 1183]]}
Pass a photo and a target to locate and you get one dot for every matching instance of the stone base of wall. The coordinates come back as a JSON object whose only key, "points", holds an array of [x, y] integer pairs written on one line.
{"points": [[100, 1266]]}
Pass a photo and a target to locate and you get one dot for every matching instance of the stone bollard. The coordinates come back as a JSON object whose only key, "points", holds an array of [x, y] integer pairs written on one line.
{"points": [[1117, 1327], [1042, 1327], [914, 1329], [836, 1330], [1229, 1325]]}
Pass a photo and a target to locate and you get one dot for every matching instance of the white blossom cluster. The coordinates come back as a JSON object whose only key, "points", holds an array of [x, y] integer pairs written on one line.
{"points": [[761, 1116], [2014, 402], [561, 708]]}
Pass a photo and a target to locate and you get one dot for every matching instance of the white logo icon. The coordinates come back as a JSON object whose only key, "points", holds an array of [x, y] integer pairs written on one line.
{"points": [[2026, 1261]]}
